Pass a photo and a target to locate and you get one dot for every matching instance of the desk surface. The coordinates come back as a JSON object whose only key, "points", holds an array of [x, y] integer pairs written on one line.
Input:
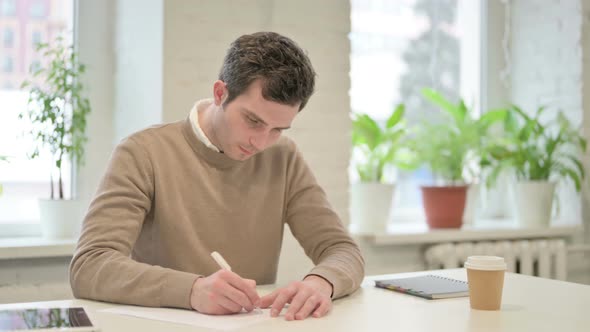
{"points": [[529, 304]]}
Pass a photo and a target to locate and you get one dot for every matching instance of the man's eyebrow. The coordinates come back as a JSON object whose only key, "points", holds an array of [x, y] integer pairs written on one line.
{"points": [[257, 118], [254, 116]]}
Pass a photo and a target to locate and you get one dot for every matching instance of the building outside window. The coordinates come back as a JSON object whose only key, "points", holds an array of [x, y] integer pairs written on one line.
{"points": [[35, 38], [8, 64], [37, 9], [8, 7], [8, 38], [25, 180]]}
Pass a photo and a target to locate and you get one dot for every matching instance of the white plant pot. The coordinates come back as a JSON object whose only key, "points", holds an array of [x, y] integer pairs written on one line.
{"points": [[534, 202], [60, 218], [471, 204], [370, 206]]}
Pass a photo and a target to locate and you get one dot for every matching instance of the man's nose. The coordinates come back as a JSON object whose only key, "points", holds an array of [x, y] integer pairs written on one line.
{"points": [[259, 141]]}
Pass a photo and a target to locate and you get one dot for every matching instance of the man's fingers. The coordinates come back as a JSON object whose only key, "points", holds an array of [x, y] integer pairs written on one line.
{"points": [[219, 305], [267, 300], [246, 286], [228, 291], [323, 309], [285, 295], [310, 305], [251, 282], [297, 303], [223, 292], [228, 304]]}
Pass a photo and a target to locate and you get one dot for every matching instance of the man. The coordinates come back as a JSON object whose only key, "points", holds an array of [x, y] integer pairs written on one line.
{"points": [[222, 180]]}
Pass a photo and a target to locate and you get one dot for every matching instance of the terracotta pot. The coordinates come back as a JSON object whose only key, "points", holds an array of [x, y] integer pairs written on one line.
{"points": [[444, 206]]}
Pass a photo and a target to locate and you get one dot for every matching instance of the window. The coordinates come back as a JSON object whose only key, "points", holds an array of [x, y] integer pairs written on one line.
{"points": [[400, 47], [35, 65], [8, 37], [25, 180], [8, 8], [8, 64], [37, 9], [35, 38]]}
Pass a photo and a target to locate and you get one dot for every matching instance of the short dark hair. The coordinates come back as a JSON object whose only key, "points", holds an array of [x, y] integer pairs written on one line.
{"points": [[285, 70]]}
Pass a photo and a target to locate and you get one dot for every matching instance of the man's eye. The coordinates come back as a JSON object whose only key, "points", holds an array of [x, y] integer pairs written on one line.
{"points": [[253, 121]]}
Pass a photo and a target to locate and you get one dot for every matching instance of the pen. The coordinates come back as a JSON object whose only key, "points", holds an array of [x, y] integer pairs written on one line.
{"points": [[220, 261], [224, 265]]}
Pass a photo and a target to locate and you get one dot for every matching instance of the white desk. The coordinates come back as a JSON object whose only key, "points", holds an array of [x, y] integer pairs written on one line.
{"points": [[529, 304]]}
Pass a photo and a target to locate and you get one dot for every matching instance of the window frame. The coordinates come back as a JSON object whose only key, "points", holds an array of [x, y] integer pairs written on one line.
{"points": [[414, 213]]}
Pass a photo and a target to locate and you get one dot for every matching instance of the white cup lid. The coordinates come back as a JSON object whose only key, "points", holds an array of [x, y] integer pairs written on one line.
{"points": [[488, 263]]}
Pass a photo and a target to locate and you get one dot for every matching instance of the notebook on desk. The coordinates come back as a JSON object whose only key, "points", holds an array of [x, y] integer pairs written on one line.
{"points": [[428, 286]]}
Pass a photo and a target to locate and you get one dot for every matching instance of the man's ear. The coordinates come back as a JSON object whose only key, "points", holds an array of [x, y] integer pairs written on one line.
{"points": [[220, 93]]}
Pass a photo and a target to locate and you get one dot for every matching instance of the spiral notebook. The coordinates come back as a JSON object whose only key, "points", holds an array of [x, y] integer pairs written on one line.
{"points": [[428, 286]]}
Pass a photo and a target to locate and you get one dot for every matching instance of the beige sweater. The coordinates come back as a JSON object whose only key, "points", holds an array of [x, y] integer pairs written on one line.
{"points": [[167, 201]]}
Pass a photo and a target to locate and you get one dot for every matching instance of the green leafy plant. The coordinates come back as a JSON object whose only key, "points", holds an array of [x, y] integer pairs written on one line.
{"points": [[377, 147], [57, 108], [537, 150], [454, 148]]}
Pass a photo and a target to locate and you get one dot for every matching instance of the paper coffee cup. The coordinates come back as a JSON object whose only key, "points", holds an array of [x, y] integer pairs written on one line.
{"points": [[485, 275]]}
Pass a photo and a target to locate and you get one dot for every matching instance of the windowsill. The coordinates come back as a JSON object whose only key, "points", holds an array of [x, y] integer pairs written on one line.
{"points": [[396, 234], [35, 247], [419, 233]]}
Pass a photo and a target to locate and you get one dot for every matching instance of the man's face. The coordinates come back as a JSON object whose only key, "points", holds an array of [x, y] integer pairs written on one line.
{"points": [[249, 123]]}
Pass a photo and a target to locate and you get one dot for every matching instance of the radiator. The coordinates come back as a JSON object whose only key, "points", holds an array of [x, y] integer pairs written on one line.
{"points": [[543, 258]]}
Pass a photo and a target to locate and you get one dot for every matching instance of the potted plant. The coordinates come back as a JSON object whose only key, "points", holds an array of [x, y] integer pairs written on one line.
{"points": [[375, 148], [452, 149], [57, 111], [540, 154]]}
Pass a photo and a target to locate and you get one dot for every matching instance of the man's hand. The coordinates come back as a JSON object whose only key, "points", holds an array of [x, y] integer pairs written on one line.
{"points": [[222, 293], [308, 297]]}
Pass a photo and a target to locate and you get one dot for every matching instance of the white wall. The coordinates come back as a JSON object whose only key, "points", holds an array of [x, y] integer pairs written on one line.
{"points": [[586, 106], [581, 261], [546, 70], [95, 37], [138, 65], [195, 41]]}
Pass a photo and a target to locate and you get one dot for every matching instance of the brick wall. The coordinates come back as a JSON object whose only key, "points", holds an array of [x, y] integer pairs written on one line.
{"points": [[586, 106], [546, 56], [195, 40], [550, 50]]}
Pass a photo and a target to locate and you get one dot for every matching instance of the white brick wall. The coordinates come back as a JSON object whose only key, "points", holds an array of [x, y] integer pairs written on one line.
{"points": [[547, 55], [550, 50], [586, 106], [196, 36], [582, 261], [546, 59]]}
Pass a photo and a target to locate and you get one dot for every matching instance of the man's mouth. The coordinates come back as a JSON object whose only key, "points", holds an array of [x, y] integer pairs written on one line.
{"points": [[247, 152]]}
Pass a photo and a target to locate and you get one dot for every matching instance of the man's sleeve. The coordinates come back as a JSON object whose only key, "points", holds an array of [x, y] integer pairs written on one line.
{"points": [[319, 230], [102, 268]]}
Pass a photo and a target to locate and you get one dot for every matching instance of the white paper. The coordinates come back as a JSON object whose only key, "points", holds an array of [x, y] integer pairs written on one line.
{"points": [[191, 317]]}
